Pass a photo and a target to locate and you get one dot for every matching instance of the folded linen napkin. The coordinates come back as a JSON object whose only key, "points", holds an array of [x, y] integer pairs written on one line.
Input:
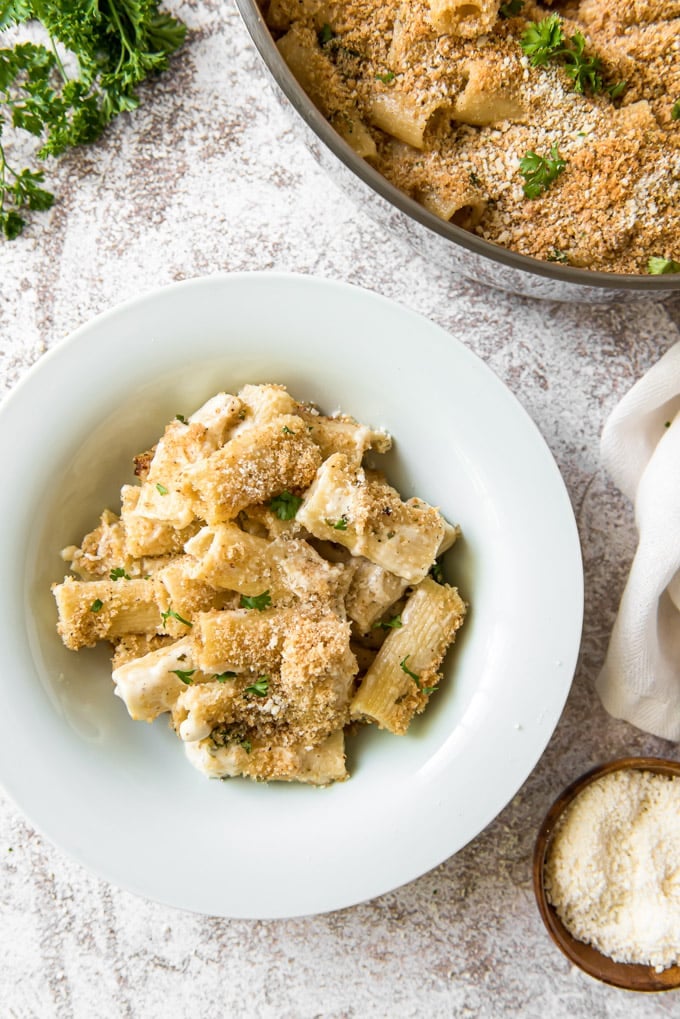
{"points": [[640, 679]]}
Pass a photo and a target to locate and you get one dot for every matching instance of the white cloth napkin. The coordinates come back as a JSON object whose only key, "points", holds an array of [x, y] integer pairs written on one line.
{"points": [[640, 679]]}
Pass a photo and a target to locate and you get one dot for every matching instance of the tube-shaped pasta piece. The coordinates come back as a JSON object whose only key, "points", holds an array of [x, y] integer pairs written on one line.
{"points": [[200, 708], [264, 403], [228, 558], [257, 464], [466, 18], [150, 685], [485, 99], [398, 114], [162, 496], [104, 609], [220, 756], [463, 206], [324, 86], [146, 535], [343, 434], [240, 640], [405, 670], [180, 596], [371, 593], [359, 510], [100, 551]]}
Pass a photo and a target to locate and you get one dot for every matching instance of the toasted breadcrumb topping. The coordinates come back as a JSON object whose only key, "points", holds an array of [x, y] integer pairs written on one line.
{"points": [[617, 202]]}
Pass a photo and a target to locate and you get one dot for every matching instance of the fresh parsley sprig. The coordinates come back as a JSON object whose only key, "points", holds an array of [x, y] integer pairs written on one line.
{"points": [[260, 688], [114, 44], [540, 171], [285, 505], [260, 602], [416, 679], [544, 40], [662, 266]]}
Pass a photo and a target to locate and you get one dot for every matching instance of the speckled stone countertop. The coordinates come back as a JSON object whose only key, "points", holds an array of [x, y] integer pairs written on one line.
{"points": [[209, 176]]}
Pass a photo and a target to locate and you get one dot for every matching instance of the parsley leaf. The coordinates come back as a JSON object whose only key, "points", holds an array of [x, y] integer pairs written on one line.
{"points": [[161, 489], [185, 676], [97, 605], [675, 110], [260, 688], [544, 40], [285, 505], [662, 266], [222, 677], [436, 571], [338, 525], [394, 623], [404, 668], [113, 44], [416, 679], [171, 614], [181, 417], [118, 573], [257, 601], [385, 78], [511, 9], [540, 171], [326, 34]]}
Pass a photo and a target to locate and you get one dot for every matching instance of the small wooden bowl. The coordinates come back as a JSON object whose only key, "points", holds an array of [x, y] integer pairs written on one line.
{"points": [[630, 976]]}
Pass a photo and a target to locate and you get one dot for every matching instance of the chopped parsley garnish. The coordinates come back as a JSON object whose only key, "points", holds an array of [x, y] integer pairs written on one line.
{"points": [[540, 171], [222, 677], [171, 614], [260, 688], [617, 89], [97, 605], [184, 675], [544, 41], [256, 601], [180, 417], [436, 571], [326, 34], [285, 505], [511, 9], [416, 679], [404, 668], [338, 525], [222, 737], [288, 431], [662, 266], [675, 110], [118, 573], [161, 489], [389, 624], [386, 77]]}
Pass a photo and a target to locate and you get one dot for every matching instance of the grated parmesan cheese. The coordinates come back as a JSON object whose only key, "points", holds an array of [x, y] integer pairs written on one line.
{"points": [[613, 867]]}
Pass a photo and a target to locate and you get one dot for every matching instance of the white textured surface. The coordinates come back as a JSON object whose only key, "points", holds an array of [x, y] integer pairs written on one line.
{"points": [[208, 176]]}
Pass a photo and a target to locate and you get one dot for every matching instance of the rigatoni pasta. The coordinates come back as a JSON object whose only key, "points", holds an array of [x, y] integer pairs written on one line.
{"points": [[265, 589]]}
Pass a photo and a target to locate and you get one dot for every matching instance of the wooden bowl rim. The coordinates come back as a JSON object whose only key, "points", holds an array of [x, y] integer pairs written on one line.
{"points": [[630, 976]]}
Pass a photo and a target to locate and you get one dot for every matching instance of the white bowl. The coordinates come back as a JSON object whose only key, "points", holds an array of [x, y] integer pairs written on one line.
{"points": [[120, 795]]}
